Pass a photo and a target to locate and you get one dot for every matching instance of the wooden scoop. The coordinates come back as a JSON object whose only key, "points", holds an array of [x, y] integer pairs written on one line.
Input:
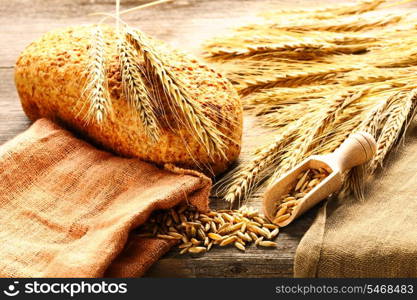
{"points": [[357, 149]]}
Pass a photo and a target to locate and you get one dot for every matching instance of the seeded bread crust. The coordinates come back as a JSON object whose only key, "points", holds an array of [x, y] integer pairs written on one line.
{"points": [[50, 75]]}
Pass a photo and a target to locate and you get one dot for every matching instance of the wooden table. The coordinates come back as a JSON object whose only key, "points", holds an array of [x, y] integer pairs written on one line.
{"points": [[185, 24]]}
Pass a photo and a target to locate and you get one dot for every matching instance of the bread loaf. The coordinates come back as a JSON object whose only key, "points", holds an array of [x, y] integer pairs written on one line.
{"points": [[51, 74]]}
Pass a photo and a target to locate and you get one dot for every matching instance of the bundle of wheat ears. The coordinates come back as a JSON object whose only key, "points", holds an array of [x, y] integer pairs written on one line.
{"points": [[132, 43], [316, 76]]}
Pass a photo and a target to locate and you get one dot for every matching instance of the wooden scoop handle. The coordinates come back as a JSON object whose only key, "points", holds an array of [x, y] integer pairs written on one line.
{"points": [[357, 149]]}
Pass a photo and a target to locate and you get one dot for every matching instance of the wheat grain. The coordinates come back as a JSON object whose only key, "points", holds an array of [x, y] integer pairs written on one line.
{"points": [[239, 227], [307, 180]]}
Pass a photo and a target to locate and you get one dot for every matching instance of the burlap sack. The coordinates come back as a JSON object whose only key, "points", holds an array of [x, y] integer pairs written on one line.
{"points": [[68, 209], [373, 238]]}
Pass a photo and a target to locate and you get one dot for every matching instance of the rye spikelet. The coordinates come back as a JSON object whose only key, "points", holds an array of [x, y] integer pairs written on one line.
{"points": [[351, 24], [334, 110], [374, 119], [241, 181], [270, 100], [135, 89], [351, 39], [333, 11], [205, 130], [282, 49], [289, 68], [355, 9], [96, 88], [387, 121], [396, 121], [249, 50], [303, 146], [290, 80]]}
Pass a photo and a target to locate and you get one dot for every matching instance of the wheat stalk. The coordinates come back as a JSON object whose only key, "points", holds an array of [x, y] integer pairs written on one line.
{"points": [[306, 141], [242, 71], [135, 89], [374, 120], [333, 11], [407, 59], [349, 24], [242, 180], [335, 135], [282, 154], [270, 100], [351, 39], [204, 128], [283, 50], [243, 44], [96, 88], [397, 115], [288, 68], [289, 80], [252, 49], [360, 8]]}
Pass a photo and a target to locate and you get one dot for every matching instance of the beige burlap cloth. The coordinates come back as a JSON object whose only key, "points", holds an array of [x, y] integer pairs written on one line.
{"points": [[68, 209], [373, 238]]}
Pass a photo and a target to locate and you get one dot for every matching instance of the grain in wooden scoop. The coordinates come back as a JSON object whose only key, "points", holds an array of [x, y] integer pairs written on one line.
{"points": [[198, 232], [306, 181]]}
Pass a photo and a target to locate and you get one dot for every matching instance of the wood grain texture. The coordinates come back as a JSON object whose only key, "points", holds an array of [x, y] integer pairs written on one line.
{"points": [[185, 24]]}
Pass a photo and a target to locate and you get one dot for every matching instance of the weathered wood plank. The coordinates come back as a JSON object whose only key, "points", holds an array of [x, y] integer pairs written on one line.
{"points": [[12, 118]]}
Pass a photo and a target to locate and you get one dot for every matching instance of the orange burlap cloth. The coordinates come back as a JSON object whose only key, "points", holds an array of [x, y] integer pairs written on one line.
{"points": [[68, 209]]}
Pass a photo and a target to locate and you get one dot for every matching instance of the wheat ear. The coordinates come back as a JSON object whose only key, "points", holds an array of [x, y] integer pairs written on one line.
{"points": [[396, 123], [358, 8], [289, 80], [242, 180], [135, 90], [299, 48], [372, 123], [96, 87], [206, 132], [307, 141], [374, 119], [333, 11], [386, 122], [351, 24]]}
